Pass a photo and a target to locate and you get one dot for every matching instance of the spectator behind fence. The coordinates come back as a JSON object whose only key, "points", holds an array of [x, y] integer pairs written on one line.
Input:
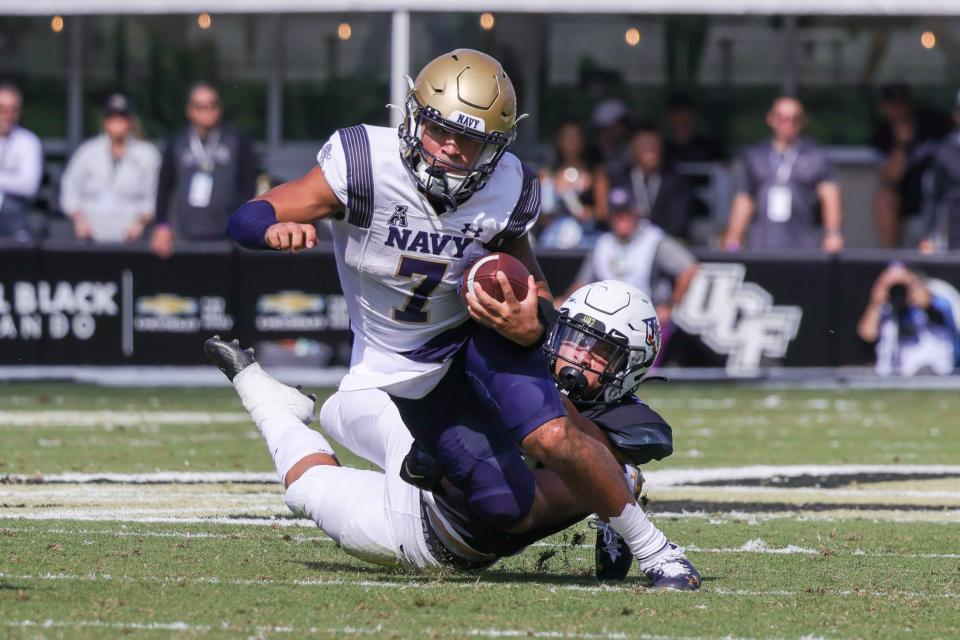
{"points": [[639, 253], [908, 137], [685, 146], [109, 188], [684, 143], [610, 130], [573, 193], [942, 227], [662, 195], [21, 166], [914, 329], [787, 185], [208, 170]]}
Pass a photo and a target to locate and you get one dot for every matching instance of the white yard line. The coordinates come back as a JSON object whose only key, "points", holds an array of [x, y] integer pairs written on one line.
{"points": [[157, 477], [756, 545], [118, 516], [673, 477], [431, 584], [54, 418], [378, 630], [654, 479], [183, 535], [723, 490]]}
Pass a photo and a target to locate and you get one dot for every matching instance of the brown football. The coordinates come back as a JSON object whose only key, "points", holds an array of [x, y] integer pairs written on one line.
{"points": [[483, 273]]}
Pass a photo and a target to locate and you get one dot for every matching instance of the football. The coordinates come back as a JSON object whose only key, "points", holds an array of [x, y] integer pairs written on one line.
{"points": [[483, 273]]}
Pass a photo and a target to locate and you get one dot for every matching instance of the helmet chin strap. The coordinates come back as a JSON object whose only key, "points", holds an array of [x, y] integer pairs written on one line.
{"points": [[571, 382], [428, 174]]}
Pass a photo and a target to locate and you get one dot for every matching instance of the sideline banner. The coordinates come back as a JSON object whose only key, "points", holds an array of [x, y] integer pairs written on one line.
{"points": [[72, 304]]}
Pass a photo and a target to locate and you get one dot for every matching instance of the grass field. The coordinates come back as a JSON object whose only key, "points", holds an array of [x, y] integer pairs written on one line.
{"points": [[193, 539]]}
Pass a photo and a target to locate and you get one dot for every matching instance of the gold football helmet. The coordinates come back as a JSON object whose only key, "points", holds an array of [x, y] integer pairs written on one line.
{"points": [[467, 94]]}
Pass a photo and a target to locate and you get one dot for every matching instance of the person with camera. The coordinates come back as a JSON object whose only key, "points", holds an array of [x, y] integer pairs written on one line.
{"points": [[914, 328]]}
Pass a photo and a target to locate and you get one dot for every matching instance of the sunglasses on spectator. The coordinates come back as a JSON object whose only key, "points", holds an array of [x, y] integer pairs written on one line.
{"points": [[205, 106]]}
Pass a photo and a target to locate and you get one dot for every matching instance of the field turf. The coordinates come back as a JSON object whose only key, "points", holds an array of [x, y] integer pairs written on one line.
{"points": [[863, 545]]}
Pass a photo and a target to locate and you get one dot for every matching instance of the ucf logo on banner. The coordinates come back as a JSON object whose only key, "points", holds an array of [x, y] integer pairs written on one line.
{"points": [[736, 318]]}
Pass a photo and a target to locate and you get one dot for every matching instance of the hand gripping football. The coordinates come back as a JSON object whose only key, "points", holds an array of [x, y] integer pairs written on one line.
{"points": [[483, 273]]}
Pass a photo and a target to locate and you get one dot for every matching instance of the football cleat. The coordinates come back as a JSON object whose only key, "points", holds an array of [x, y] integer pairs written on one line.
{"points": [[613, 557], [264, 390], [672, 570], [228, 356]]}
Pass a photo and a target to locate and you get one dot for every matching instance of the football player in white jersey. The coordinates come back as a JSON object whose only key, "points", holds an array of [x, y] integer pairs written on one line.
{"points": [[410, 210], [378, 517]]}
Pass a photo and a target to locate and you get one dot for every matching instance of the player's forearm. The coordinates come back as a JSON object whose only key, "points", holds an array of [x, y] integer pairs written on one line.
{"points": [[304, 200]]}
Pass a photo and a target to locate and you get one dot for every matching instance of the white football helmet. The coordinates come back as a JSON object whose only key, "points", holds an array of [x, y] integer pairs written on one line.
{"points": [[614, 321]]}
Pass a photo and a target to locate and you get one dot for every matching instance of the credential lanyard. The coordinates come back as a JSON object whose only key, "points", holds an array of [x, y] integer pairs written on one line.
{"points": [[784, 166], [204, 152]]}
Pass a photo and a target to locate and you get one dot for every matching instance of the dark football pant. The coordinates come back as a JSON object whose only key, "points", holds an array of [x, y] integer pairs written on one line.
{"points": [[494, 395]]}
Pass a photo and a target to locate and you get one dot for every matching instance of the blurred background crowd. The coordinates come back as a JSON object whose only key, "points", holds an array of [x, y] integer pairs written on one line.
{"points": [[655, 137]]}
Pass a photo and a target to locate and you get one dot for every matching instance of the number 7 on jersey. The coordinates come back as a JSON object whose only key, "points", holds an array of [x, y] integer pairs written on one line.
{"points": [[428, 274]]}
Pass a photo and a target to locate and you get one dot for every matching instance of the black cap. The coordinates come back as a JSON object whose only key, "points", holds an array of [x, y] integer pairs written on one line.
{"points": [[621, 200], [117, 105]]}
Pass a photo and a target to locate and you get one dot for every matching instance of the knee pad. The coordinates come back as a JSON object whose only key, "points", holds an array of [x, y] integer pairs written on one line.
{"points": [[501, 490]]}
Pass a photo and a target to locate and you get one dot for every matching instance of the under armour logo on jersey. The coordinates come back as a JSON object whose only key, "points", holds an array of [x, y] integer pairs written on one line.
{"points": [[469, 228], [399, 217]]}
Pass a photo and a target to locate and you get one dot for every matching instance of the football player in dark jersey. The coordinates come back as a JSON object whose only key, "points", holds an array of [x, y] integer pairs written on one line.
{"points": [[600, 348]]}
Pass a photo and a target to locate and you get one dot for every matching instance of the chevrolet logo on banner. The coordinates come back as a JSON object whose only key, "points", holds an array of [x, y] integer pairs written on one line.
{"points": [[290, 303], [166, 304]]}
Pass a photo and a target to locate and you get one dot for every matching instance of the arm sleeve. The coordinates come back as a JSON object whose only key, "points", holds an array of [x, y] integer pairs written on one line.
{"points": [[525, 212], [24, 180], [166, 181], [333, 163]]}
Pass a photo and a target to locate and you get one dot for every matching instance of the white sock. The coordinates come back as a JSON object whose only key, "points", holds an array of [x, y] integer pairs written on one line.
{"points": [[257, 388], [281, 414], [644, 539]]}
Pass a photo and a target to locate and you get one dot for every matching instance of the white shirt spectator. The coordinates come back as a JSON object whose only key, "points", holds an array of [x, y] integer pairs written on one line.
{"points": [[21, 164], [112, 194]]}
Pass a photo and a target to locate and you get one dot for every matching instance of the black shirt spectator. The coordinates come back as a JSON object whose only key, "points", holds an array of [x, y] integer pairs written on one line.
{"points": [[683, 142], [908, 137], [663, 196], [208, 170], [943, 213]]}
